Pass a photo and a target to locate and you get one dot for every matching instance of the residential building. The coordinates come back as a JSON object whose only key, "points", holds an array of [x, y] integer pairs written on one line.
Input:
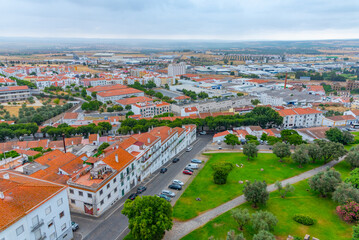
{"points": [[149, 110], [339, 121], [175, 69], [301, 117], [118, 94], [351, 84], [221, 136], [353, 112], [315, 90], [132, 100], [189, 111], [287, 97], [14, 93], [310, 134], [33, 209], [71, 117], [100, 88], [255, 131]]}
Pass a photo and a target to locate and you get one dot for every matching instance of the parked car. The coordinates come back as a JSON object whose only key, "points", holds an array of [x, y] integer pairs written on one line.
{"points": [[175, 160], [132, 196], [163, 170], [175, 187], [193, 166], [189, 149], [187, 172], [74, 226], [165, 197], [219, 148], [196, 161], [189, 169], [203, 133], [168, 193], [141, 189], [178, 182]]}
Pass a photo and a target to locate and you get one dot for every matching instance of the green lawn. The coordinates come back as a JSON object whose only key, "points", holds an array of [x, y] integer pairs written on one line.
{"points": [[213, 195], [356, 137], [301, 201]]}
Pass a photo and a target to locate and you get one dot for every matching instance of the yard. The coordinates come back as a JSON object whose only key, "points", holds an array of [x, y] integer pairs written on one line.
{"points": [[356, 137], [301, 201], [213, 195]]}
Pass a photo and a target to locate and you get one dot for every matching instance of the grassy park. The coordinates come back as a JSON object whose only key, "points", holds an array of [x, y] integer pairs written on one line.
{"points": [[213, 195], [301, 201], [356, 137]]}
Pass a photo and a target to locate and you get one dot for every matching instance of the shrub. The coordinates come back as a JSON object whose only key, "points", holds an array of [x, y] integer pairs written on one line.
{"points": [[349, 212], [302, 219]]}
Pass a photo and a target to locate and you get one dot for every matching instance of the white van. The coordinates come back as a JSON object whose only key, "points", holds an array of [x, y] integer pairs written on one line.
{"points": [[193, 166]]}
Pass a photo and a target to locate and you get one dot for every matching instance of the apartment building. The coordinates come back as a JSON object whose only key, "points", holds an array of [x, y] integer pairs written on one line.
{"points": [[118, 94], [129, 101], [14, 93], [351, 84], [336, 121], [175, 69], [150, 109], [98, 89], [33, 209], [301, 117]]}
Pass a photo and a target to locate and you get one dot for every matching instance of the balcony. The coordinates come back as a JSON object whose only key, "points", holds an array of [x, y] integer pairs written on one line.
{"points": [[42, 237], [36, 226]]}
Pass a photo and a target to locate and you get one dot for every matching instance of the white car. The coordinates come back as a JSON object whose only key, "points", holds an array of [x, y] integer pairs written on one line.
{"points": [[189, 149], [203, 133], [168, 193], [178, 182]]}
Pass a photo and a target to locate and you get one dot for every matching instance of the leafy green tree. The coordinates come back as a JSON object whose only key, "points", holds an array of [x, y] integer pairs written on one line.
{"points": [[106, 126], [314, 152], [264, 137], [348, 138], [353, 178], [325, 182], [283, 191], [263, 235], [250, 137], [240, 94], [149, 217], [221, 171], [203, 95], [291, 136], [272, 140], [281, 150], [231, 139], [256, 192], [103, 146], [231, 235], [83, 93], [331, 150], [265, 117], [301, 155], [94, 95], [255, 102], [334, 135], [128, 107], [344, 193], [241, 216], [353, 158], [250, 150], [355, 235], [263, 220], [130, 113], [57, 101]]}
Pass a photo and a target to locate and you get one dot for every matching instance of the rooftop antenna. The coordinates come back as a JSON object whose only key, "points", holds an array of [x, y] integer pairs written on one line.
{"points": [[285, 81]]}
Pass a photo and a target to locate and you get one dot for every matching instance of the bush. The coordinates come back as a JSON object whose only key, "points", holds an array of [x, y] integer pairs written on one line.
{"points": [[305, 220], [349, 212]]}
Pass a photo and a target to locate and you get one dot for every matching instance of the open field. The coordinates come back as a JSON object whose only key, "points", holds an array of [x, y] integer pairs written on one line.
{"points": [[301, 201], [213, 195], [356, 137]]}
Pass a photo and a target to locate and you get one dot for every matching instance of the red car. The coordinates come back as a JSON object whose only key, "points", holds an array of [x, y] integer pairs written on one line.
{"points": [[187, 172]]}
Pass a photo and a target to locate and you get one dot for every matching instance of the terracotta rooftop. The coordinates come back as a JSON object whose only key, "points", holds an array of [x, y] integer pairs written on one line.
{"points": [[133, 100], [106, 88], [118, 92], [71, 115], [297, 111]]}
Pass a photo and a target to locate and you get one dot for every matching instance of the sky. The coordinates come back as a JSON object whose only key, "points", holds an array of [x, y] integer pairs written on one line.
{"points": [[181, 19]]}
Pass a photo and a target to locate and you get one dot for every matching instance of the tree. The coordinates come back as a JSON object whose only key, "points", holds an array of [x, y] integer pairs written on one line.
{"points": [[250, 137], [240, 94], [130, 113], [128, 107], [344, 193], [231, 139], [349, 212], [283, 191], [353, 158], [103, 146], [94, 95], [149, 217], [331, 150], [231, 235], [301, 155], [314, 152], [256, 192], [265, 117], [263, 220], [355, 235], [57, 101], [281, 150], [353, 178], [83, 93], [325, 182], [203, 95], [272, 140], [334, 135], [221, 171], [263, 235], [241, 216], [348, 138], [255, 102], [106, 126], [291, 136], [264, 137], [250, 150]]}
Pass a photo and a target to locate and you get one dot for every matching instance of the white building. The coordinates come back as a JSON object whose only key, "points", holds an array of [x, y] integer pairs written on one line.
{"points": [[33, 209], [301, 117], [150, 109], [176, 69]]}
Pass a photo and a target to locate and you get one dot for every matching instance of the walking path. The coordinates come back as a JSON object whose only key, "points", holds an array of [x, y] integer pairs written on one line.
{"points": [[181, 229]]}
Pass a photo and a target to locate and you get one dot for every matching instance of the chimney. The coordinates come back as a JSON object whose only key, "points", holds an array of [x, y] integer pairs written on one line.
{"points": [[148, 140], [6, 176], [2, 195], [116, 158]]}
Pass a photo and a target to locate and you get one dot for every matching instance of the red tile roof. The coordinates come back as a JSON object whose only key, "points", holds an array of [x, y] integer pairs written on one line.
{"points": [[220, 134], [133, 100], [298, 111], [71, 115], [118, 92]]}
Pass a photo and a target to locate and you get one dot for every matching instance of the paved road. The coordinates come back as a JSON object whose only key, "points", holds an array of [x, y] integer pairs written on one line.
{"points": [[181, 229], [112, 225]]}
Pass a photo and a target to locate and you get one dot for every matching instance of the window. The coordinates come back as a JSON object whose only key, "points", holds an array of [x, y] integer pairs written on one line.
{"points": [[62, 214], [59, 202], [73, 201], [109, 195], [52, 236], [50, 224], [121, 183], [115, 190], [19, 230], [35, 220], [101, 202], [114, 180], [128, 178], [48, 210], [101, 191], [71, 191], [108, 186], [38, 234], [63, 226], [89, 195], [81, 193]]}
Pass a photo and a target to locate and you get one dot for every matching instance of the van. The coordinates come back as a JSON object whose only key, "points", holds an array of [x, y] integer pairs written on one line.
{"points": [[193, 165]]}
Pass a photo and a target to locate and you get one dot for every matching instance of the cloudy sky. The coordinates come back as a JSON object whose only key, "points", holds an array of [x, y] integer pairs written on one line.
{"points": [[182, 19]]}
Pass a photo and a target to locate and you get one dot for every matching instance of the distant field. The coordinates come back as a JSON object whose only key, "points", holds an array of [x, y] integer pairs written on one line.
{"points": [[14, 110]]}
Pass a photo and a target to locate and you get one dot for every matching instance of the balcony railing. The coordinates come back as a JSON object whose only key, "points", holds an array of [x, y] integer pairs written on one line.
{"points": [[37, 225], [42, 237]]}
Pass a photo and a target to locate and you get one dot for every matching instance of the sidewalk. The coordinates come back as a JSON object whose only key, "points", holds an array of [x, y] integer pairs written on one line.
{"points": [[181, 229]]}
